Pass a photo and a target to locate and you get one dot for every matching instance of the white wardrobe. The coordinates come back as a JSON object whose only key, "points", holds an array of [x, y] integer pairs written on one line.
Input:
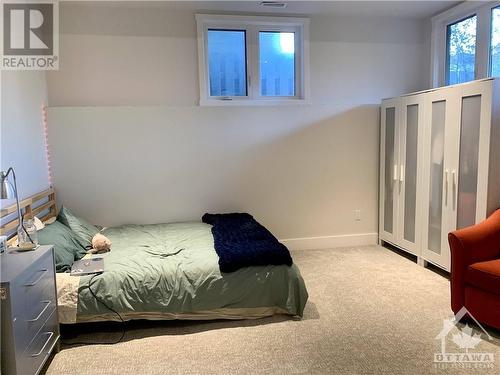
{"points": [[439, 166]]}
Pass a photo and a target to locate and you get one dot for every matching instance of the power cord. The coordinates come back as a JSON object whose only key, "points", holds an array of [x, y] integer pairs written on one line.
{"points": [[110, 309]]}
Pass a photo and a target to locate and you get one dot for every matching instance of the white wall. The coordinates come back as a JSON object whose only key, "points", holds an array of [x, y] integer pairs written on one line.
{"points": [[22, 139], [130, 144]]}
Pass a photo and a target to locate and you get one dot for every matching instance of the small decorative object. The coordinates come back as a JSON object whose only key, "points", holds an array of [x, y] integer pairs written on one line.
{"points": [[100, 244], [39, 225], [27, 237], [3, 243], [7, 191]]}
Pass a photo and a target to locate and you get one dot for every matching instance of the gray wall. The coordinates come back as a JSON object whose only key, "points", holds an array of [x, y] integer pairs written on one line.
{"points": [[130, 144], [21, 130]]}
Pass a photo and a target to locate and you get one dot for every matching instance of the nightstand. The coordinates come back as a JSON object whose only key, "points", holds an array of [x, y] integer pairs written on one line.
{"points": [[28, 299]]}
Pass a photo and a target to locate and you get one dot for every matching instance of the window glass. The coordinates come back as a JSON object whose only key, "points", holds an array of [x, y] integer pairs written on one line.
{"points": [[495, 43], [461, 51], [227, 62], [277, 63]]}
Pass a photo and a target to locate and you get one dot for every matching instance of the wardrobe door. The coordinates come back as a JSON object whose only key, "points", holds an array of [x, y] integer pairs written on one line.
{"points": [[440, 136], [389, 156], [470, 178], [411, 132]]}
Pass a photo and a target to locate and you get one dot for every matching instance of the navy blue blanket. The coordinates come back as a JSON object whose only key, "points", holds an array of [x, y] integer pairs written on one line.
{"points": [[240, 241]]}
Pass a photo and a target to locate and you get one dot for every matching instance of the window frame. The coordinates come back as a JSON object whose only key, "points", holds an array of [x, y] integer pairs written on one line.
{"points": [[439, 38], [207, 72], [252, 26], [298, 57], [447, 47]]}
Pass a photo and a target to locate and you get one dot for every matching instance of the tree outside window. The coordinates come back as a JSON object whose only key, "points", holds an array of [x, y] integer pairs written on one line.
{"points": [[461, 51], [495, 43]]}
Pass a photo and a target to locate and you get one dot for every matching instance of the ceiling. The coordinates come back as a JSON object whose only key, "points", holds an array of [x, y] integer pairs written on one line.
{"points": [[406, 9]]}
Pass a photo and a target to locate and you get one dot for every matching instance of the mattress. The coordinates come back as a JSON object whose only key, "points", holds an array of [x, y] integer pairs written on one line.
{"points": [[171, 271]]}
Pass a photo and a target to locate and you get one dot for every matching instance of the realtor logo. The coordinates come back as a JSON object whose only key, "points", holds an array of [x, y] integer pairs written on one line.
{"points": [[466, 340], [30, 35]]}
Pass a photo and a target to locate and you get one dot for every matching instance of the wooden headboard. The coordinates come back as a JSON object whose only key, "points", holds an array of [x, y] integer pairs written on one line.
{"points": [[43, 203]]}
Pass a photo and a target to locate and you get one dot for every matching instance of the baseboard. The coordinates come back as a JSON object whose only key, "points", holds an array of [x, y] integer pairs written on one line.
{"points": [[329, 242]]}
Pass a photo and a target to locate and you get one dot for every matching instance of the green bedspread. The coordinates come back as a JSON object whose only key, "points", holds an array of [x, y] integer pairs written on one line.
{"points": [[155, 270]]}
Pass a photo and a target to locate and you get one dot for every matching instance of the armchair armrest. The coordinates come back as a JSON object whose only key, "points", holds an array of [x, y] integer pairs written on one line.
{"points": [[477, 243]]}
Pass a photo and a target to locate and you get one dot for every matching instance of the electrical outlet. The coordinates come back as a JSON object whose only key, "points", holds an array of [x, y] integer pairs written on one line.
{"points": [[357, 215]]}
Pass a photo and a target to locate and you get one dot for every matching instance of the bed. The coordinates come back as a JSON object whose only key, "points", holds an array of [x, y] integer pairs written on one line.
{"points": [[171, 271]]}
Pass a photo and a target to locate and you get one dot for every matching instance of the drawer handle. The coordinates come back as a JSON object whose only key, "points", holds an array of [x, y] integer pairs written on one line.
{"points": [[50, 334], [47, 304], [43, 272]]}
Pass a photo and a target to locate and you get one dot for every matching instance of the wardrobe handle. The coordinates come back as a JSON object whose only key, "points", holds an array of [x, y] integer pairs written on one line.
{"points": [[395, 177], [446, 187], [454, 188], [402, 173]]}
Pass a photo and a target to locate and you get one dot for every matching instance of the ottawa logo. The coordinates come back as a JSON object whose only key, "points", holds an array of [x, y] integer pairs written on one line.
{"points": [[466, 340]]}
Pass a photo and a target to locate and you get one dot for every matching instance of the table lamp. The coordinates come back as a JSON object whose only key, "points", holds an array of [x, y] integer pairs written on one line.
{"points": [[7, 191]]}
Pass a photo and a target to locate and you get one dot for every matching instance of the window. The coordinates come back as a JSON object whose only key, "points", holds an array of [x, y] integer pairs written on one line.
{"points": [[247, 60], [227, 62], [495, 43], [277, 63], [461, 51], [466, 43]]}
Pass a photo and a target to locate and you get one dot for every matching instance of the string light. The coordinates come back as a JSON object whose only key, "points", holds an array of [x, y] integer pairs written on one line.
{"points": [[46, 137]]}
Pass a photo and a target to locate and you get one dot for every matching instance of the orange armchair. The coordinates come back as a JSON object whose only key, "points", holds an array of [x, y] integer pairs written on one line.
{"points": [[475, 270]]}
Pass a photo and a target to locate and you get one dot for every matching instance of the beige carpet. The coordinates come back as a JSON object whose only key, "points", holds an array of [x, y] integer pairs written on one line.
{"points": [[370, 311]]}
